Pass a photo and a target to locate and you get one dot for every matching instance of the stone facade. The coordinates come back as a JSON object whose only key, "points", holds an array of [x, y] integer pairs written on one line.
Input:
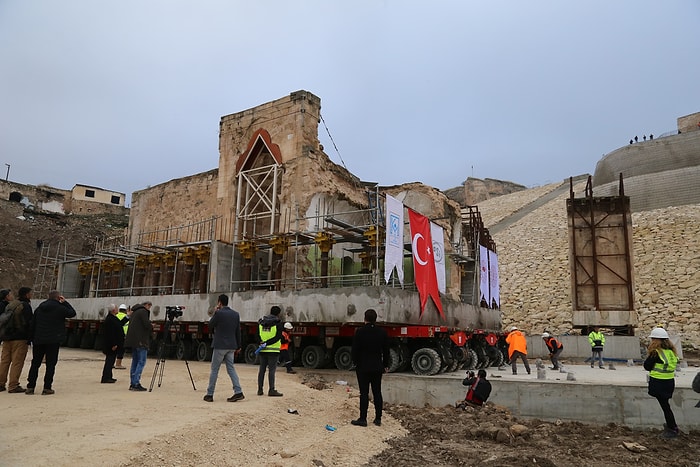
{"points": [[689, 123], [178, 202], [535, 270]]}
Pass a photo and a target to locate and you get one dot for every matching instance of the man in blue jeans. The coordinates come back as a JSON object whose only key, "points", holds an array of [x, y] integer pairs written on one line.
{"points": [[137, 337], [225, 324]]}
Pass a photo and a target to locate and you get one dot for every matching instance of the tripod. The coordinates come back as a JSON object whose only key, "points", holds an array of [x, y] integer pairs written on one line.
{"points": [[160, 362]]}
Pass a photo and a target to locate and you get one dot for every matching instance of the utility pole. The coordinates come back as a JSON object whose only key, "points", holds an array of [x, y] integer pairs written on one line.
{"points": [[8, 172]]}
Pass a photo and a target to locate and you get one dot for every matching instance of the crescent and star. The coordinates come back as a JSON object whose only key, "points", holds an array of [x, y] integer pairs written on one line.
{"points": [[419, 260]]}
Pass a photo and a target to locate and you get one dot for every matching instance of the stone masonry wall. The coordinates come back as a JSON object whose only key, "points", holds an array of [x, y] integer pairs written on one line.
{"points": [[175, 203], [535, 270]]}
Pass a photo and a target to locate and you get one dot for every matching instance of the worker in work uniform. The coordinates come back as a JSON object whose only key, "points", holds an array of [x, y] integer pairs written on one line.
{"points": [[285, 358], [270, 330], [123, 317], [597, 341], [517, 347], [661, 364], [555, 349], [479, 388]]}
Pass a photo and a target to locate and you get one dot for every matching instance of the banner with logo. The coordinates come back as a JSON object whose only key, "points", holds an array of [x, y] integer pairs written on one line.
{"points": [[438, 236], [484, 289], [393, 256], [494, 284]]}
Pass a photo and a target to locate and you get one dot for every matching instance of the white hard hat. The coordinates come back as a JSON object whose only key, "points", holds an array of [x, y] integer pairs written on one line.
{"points": [[122, 307], [545, 334], [288, 326], [513, 328], [658, 333]]}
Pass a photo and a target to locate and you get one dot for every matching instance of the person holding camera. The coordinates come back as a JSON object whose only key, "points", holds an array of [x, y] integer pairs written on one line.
{"points": [[597, 341], [479, 388], [138, 337], [225, 324]]}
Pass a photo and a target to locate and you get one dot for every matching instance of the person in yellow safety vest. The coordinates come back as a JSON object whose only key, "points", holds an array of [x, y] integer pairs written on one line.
{"points": [[597, 341], [123, 317], [661, 364], [270, 330]]}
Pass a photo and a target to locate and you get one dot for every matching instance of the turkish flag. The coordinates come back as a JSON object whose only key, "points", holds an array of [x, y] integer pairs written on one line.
{"points": [[423, 261]]}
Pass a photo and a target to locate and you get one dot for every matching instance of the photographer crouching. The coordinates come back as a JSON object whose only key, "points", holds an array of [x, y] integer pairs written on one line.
{"points": [[478, 392]]}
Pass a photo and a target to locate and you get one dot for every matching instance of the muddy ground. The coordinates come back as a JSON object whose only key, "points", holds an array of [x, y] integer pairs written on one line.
{"points": [[87, 423]]}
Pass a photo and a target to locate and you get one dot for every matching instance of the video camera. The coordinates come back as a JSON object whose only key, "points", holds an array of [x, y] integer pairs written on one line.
{"points": [[172, 312]]}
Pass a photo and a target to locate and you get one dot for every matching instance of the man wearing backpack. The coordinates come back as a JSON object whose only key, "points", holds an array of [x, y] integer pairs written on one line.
{"points": [[16, 337]]}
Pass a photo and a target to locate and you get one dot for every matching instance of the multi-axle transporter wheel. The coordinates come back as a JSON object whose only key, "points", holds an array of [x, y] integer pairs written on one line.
{"points": [[426, 361], [183, 351], [313, 357], [343, 358]]}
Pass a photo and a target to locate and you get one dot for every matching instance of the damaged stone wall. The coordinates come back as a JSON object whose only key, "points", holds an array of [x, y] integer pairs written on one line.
{"points": [[474, 190], [174, 203]]}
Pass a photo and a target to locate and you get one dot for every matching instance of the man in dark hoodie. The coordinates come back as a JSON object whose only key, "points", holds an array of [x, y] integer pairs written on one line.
{"points": [[49, 332], [137, 337], [16, 341]]}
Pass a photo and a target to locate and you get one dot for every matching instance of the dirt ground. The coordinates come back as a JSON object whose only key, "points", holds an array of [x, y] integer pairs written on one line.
{"points": [[87, 423]]}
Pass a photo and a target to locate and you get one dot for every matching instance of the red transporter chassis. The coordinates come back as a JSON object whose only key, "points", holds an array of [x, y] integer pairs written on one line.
{"points": [[427, 350]]}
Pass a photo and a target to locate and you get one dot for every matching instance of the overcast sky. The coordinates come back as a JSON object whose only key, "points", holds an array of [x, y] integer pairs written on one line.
{"points": [[128, 94]]}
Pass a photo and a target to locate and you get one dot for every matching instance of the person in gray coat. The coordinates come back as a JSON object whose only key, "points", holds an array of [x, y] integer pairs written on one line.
{"points": [[225, 324], [49, 331]]}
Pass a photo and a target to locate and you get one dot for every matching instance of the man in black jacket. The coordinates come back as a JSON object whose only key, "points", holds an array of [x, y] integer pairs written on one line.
{"points": [[138, 336], [49, 332], [113, 342], [16, 341], [370, 354]]}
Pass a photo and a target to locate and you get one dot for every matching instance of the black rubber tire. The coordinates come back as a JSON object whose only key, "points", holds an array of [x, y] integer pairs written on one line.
{"points": [[426, 361], [204, 351], [405, 361], [343, 358], [183, 350], [99, 339], [249, 354], [88, 340], [73, 340], [394, 359], [313, 357], [472, 361]]}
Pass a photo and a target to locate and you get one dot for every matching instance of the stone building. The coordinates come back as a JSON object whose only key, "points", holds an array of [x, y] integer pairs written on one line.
{"points": [[275, 182]]}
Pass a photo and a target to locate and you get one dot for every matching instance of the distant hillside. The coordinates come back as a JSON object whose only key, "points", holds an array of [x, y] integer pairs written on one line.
{"points": [[75, 234]]}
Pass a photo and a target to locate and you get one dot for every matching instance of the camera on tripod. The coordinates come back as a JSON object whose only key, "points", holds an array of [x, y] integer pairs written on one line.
{"points": [[172, 312]]}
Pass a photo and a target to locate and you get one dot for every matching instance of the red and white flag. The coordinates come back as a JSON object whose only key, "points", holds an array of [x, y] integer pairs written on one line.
{"points": [[424, 261]]}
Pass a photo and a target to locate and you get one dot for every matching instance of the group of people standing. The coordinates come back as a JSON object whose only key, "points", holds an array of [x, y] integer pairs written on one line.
{"points": [[44, 328], [661, 363]]}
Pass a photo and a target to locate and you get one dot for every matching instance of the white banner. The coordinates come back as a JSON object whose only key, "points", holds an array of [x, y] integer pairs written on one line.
{"points": [[494, 284], [484, 275], [439, 255], [393, 256]]}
